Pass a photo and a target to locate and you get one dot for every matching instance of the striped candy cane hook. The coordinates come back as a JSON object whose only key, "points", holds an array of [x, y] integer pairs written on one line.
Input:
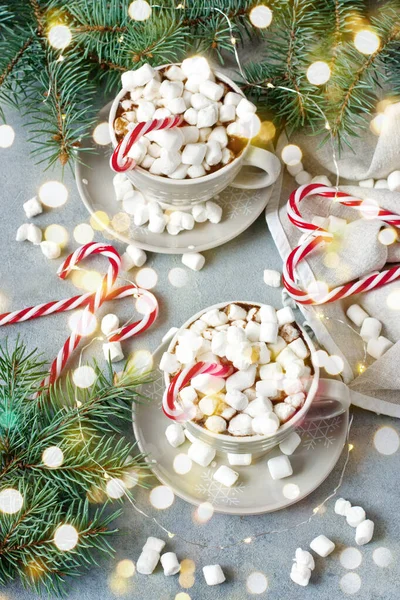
{"points": [[319, 237]]}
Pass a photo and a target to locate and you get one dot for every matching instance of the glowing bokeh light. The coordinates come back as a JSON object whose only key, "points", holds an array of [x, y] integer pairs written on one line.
{"points": [[99, 220], [393, 300], [386, 441], [318, 73], [257, 583], [260, 16], [91, 280], [11, 501], [267, 132], [182, 596], [57, 234], [7, 136], [139, 10], [377, 123], [334, 365], [369, 208], [142, 306], [119, 586], [121, 222], [146, 278], [81, 324], [59, 36], [83, 377], [53, 194], [204, 512], [115, 488], [366, 41], [131, 479], [250, 126], [53, 457], [125, 568], [101, 134], [66, 537], [388, 236], [161, 497], [291, 155], [83, 233], [182, 464], [140, 362]]}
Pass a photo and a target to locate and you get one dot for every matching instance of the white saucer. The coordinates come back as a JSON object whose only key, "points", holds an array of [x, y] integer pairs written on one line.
{"points": [[94, 180], [255, 491]]}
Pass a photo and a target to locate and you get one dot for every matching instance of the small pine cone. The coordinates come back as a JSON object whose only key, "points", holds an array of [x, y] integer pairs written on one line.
{"points": [[135, 58], [214, 44], [63, 157]]}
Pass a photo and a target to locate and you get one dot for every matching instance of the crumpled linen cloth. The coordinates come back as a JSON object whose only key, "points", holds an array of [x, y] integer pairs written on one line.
{"points": [[359, 252]]}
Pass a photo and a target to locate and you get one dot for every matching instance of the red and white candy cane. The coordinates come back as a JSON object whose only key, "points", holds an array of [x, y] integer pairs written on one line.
{"points": [[171, 407], [91, 301], [320, 237], [119, 161]]}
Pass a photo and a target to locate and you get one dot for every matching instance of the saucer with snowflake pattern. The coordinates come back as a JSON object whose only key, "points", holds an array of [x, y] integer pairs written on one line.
{"points": [[255, 492], [94, 180]]}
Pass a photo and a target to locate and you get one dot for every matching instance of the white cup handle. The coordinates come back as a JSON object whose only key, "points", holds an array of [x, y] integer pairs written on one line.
{"points": [[262, 159], [332, 399]]}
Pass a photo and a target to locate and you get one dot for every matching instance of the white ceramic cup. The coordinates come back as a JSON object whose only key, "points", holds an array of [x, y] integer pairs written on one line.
{"points": [[184, 193], [326, 398]]}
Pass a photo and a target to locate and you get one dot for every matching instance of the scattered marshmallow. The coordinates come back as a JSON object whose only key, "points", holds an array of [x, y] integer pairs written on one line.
{"points": [[201, 453], [300, 574], [366, 183], [355, 515], [295, 169], [342, 507], [174, 434], [138, 256], [289, 444], [272, 278], [269, 332], [32, 207], [170, 564], [34, 234], [236, 400], [50, 249], [303, 557], [155, 544], [207, 384], [214, 212], [356, 314], [22, 233], [239, 460], [147, 562], [169, 363], [259, 406], [381, 184], [139, 77], [113, 351], [241, 425], [213, 574], [226, 476], [377, 347], [193, 260], [303, 177], [215, 424], [321, 179], [285, 315], [364, 532], [370, 329], [109, 324], [280, 467], [322, 546]]}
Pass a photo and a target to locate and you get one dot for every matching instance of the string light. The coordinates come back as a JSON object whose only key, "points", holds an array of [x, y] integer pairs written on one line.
{"points": [[366, 41], [59, 36], [66, 537], [7, 136], [139, 10], [53, 194], [53, 457], [261, 16], [318, 72], [11, 501], [247, 540], [351, 447]]}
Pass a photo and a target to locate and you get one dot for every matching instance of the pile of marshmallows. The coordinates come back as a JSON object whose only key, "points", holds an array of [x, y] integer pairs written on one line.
{"points": [[211, 111], [157, 220], [271, 378], [151, 555], [323, 546], [370, 331], [32, 233]]}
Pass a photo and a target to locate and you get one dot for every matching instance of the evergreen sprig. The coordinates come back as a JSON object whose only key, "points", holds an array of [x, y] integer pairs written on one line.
{"points": [[84, 424], [59, 89]]}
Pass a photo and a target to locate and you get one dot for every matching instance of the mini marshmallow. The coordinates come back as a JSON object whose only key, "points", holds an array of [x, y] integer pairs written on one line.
{"points": [[269, 332], [32, 207], [303, 177], [34, 234], [113, 351], [214, 212], [191, 116], [292, 386], [289, 333], [155, 168], [266, 423], [289, 445], [214, 317], [147, 562], [157, 223], [300, 574], [139, 77], [366, 183], [145, 110], [193, 154], [171, 89], [201, 453], [109, 323], [51, 250], [381, 184], [199, 213], [228, 413], [370, 328], [245, 107], [252, 330], [219, 135], [279, 467], [263, 355], [342, 507], [322, 546], [226, 476], [151, 89], [207, 116], [356, 314], [303, 557], [174, 434], [204, 134], [138, 256], [272, 278], [170, 564], [284, 411], [146, 163], [241, 379], [237, 400], [188, 394], [170, 139], [22, 233], [239, 460], [193, 260], [213, 574], [199, 101], [259, 406], [285, 315], [213, 153], [364, 532], [161, 113], [235, 335], [227, 113], [295, 169], [195, 171], [355, 515], [207, 384], [277, 347], [377, 347], [285, 357], [192, 85], [198, 66], [180, 172], [321, 179], [155, 544], [267, 314], [296, 400], [154, 150], [190, 134], [218, 344], [212, 90], [232, 98], [177, 106], [236, 312], [216, 424], [208, 405], [267, 388], [227, 156], [175, 73], [299, 348], [241, 425], [169, 160], [271, 371], [126, 262], [169, 363]]}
